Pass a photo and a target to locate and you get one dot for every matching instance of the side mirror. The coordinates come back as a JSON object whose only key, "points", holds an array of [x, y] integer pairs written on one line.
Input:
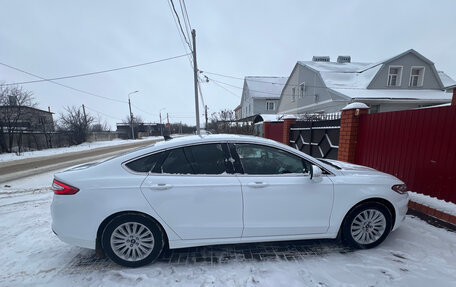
{"points": [[315, 171]]}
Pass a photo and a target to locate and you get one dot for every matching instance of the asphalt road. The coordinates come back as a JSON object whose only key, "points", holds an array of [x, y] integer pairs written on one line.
{"points": [[26, 167]]}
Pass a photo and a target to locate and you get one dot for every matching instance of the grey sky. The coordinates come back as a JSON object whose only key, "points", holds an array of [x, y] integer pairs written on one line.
{"points": [[237, 38]]}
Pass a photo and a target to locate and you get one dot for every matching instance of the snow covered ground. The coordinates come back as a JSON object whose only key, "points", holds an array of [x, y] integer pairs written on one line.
{"points": [[84, 146], [417, 254]]}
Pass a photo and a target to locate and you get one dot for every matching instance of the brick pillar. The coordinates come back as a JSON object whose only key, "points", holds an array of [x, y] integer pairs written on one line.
{"points": [[287, 121], [266, 128], [453, 102], [348, 136]]}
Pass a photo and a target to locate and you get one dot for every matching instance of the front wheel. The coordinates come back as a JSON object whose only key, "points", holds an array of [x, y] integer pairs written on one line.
{"points": [[132, 240], [367, 225]]}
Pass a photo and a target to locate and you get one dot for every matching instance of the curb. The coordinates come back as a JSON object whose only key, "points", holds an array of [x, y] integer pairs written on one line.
{"points": [[449, 218]]}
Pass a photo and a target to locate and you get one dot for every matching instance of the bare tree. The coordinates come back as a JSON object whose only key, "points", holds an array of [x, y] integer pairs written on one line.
{"points": [[100, 125], [76, 123], [14, 101]]}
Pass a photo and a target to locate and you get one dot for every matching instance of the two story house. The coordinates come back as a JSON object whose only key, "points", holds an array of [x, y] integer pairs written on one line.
{"points": [[260, 95], [406, 81]]}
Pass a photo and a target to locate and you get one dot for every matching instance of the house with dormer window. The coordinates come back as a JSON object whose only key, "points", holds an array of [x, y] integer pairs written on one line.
{"points": [[406, 81]]}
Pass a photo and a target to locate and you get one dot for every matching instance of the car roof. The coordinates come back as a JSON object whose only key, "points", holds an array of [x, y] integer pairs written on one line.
{"points": [[215, 138]]}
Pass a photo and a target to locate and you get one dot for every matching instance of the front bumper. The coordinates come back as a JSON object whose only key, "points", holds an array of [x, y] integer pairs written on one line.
{"points": [[401, 210]]}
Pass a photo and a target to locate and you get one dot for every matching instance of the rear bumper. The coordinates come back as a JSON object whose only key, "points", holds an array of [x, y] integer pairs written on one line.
{"points": [[67, 226]]}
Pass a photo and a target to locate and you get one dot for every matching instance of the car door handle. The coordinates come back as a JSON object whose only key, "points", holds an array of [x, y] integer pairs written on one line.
{"points": [[257, 184], [160, 186]]}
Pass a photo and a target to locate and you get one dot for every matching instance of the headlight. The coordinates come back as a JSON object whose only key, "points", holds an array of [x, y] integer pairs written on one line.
{"points": [[399, 188]]}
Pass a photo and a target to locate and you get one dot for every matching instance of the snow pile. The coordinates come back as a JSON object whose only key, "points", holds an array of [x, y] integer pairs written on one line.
{"points": [[439, 204], [84, 146]]}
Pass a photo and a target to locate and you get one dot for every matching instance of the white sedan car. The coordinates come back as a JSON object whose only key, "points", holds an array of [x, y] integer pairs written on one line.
{"points": [[220, 189]]}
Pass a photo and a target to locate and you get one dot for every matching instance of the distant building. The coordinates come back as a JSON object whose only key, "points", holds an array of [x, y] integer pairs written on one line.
{"points": [[237, 112], [26, 119], [144, 129], [406, 81], [260, 95]]}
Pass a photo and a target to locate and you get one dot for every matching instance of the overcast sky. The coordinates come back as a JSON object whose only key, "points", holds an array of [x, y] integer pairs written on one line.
{"points": [[235, 38]]}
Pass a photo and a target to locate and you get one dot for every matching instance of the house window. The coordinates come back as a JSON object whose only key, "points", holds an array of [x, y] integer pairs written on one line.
{"points": [[394, 76], [374, 109], [302, 88], [269, 106], [416, 77], [293, 94]]}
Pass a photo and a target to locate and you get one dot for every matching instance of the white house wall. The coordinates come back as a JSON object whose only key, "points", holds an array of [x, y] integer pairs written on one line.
{"points": [[316, 97]]}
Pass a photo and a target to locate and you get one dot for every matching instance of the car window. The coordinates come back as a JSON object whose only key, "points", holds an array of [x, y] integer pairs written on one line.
{"points": [[259, 159], [144, 164], [208, 158], [177, 162]]}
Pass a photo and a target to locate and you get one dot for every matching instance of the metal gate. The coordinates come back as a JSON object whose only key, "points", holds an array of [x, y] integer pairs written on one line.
{"points": [[319, 138]]}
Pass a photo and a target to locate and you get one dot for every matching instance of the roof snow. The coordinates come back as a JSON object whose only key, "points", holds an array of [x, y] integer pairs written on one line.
{"points": [[352, 80], [265, 87], [344, 75], [402, 94], [446, 80]]}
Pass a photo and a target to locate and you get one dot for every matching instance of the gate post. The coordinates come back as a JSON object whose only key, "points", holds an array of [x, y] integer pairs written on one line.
{"points": [[287, 121], [349, 124], [266, 128], [453, 101]]}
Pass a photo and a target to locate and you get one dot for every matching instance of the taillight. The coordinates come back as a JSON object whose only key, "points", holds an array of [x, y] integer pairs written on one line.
{"points": [[61, 188], [400, 188]]}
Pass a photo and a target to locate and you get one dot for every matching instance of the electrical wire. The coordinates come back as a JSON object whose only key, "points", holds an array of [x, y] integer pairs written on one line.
{"points": [[188, 28], [65, 86], [106, 115], [180, 24], [190, 60], [219, 85], [282, 84], [97, 72]]}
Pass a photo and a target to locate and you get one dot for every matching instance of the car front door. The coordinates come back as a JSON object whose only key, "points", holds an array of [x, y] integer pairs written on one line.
{"points": [[195, 192], [280, 199]]}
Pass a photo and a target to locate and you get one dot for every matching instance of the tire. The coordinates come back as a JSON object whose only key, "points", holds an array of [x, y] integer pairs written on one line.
{"points": [[132, 240], [367, 225]]}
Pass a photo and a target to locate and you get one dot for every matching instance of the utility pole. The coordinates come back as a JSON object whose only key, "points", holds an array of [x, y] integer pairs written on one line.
{"points": [[161, 128], [169, 127], [205, 115], [131, 116], [85, 115], [195, 76], [131, 120]]}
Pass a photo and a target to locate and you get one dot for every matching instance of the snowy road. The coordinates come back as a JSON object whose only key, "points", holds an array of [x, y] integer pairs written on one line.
{"points": [[417, 254]]}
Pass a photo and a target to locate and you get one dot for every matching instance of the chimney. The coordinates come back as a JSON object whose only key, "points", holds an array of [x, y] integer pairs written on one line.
{"points": [[49, 109], [320, 58], [12, 100], [343, 59]]}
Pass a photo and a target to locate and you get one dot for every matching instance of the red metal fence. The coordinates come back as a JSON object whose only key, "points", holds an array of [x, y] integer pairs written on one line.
{"points": [[417, 146], [273, 130]]}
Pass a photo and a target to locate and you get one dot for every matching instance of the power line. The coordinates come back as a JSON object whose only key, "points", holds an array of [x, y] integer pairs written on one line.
{"points": [[282, 84], [180, 24], [95, 73], [188, 28], [180, 35], [66, 86], [106, 115], [215, 82]]}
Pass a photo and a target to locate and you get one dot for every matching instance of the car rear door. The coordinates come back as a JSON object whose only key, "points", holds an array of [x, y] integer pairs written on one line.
{"points": [[196, 193], [280, 199]]}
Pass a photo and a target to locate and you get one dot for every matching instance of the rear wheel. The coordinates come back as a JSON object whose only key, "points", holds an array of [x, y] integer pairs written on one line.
{"points": [[132, 240], [367, 225]]}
